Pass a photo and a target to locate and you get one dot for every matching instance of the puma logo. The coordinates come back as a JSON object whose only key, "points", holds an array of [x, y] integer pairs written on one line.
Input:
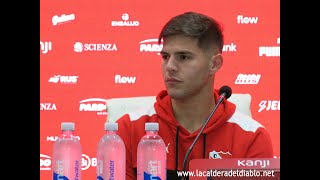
{"points": [[167, 148]]}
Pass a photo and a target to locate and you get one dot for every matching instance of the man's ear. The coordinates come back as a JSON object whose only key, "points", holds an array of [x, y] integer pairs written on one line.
{"points": [[217, 61]]}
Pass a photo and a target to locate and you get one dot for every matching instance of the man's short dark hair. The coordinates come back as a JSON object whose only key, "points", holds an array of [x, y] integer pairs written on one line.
{"points": [[204, 28]]}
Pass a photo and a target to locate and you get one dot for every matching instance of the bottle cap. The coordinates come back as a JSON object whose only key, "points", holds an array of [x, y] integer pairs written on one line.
{"points": [[67, 126], [152, 126], [111, 126]]}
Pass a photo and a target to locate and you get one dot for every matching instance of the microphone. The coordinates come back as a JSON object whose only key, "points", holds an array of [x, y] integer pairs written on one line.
{"points": [[224, 92]]}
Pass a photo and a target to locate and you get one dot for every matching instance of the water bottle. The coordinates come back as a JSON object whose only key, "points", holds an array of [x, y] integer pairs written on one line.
{"points": [[151, 155], [111, 155], [67, 154]]}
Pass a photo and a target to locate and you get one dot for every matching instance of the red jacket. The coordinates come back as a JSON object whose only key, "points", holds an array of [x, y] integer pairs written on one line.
{"points": [[229, 134]]}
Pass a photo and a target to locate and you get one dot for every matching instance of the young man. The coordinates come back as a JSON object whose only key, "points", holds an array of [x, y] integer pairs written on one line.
{"points": [[191, 53]]}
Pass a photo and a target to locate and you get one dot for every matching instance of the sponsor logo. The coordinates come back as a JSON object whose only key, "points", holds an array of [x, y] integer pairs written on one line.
{"points": [[229, 48], [48, 107], [246, 20], [254, 163], [150, 45], [87, 162], [79, 47], [54, 138], [45, 162], [125, 21], [63, 79], [45, 47], [124, 80], [218, 155], [167, 148], [270, 51], [94, 105], [62, 19], [272, 105], [247, 79]]}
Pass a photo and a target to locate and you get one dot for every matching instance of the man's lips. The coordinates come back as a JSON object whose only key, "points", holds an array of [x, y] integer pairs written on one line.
{"points": [[172, 80]]}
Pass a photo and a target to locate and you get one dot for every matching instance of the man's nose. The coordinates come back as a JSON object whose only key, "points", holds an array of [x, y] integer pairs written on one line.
{"points": [[171, 65]]}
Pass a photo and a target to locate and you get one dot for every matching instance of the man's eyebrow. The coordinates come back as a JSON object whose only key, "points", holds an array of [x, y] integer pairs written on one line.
{"points": [[163, 52], [183, 52]]}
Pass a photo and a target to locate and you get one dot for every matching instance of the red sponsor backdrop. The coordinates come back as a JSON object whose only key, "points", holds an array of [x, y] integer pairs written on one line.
{"points": [[91, 51]]}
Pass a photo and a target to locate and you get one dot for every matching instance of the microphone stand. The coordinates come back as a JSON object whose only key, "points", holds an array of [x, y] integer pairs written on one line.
{"points": [[197, 137]]}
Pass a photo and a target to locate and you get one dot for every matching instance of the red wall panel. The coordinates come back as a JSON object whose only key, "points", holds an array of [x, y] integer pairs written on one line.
{"points": [[67, 77]]}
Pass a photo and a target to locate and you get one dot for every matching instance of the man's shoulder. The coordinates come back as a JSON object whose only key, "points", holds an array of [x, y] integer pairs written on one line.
{"points": [[142, 113], [245, 122], [139, 116]]}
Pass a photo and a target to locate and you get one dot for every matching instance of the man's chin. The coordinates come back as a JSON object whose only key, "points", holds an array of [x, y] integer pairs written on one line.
{"points": [[174, 94]]}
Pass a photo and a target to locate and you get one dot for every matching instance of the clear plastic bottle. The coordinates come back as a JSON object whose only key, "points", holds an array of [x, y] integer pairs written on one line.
{"points": [[151, 155], [67, 154], [111, 155]]}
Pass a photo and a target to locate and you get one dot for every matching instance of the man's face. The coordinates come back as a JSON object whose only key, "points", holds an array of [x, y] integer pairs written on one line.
{"points": [[185, 67]]}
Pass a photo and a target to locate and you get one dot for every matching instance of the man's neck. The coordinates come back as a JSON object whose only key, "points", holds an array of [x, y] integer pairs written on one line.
{"points": [[191, 113]]}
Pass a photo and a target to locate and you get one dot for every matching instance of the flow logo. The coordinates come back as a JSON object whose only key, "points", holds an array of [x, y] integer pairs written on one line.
{"points": [[246, 20], [123, 80]]}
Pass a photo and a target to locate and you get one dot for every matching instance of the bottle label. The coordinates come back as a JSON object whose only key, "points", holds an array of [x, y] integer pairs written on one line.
{"points": [[100, 178], [154, 168], [59, 177], [108, 173], [62, 175], [111, 166], [147, 176]]}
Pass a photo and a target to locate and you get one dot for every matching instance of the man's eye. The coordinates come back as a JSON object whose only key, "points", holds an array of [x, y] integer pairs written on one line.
{"points": [[183, 57], [165, 57]]}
